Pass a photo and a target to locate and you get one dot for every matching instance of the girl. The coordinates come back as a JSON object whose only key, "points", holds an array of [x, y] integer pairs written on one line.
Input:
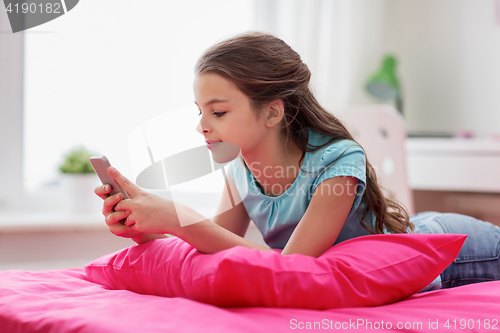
{"points": [[304, 180]]}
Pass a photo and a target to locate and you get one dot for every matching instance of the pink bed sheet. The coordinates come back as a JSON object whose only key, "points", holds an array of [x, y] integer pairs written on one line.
{"points": [[64, 301]]}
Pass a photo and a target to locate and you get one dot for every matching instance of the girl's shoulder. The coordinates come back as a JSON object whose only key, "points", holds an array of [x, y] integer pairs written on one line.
{"points": [[339, 158], [334, 150]]}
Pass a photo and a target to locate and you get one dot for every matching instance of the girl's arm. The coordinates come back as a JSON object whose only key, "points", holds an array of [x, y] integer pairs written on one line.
{"points": [[316, 232], [324, 218], [208, 237], [228, 228], [150, 214], [234, 219]]}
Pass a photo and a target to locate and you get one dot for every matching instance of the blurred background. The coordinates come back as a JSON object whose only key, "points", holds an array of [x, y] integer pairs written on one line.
{"points": [[90, 77]]}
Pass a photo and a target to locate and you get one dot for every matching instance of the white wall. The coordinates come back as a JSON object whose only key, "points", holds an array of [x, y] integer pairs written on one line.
{"points": [[366, 46], [11, 113], [449, 56]]}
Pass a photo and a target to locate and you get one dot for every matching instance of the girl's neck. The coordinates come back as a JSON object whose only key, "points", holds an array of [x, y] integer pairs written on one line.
{"points": [[274, 167]]}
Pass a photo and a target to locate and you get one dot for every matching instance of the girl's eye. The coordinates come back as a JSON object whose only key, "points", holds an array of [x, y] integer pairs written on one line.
{"points": [[219, 114]]}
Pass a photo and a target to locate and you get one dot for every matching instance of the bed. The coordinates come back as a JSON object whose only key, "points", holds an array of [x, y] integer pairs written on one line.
{"points": [[120, 292]]}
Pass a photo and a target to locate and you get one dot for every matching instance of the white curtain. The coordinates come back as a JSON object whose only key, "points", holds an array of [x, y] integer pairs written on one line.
{"points": [[339, 40]]}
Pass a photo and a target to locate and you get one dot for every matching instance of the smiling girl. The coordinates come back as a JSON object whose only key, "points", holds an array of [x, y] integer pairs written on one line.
{"points": [[301, 177]]}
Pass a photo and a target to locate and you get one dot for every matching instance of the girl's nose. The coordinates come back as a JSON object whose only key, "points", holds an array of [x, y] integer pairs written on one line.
{"points": [[202, 129]]}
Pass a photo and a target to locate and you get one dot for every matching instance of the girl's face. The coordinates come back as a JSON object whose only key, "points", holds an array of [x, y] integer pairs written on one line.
{"points": [[226, 114]]}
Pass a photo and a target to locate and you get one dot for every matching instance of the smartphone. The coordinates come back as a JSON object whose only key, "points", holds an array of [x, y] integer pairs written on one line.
{"points": [[101, 165]]}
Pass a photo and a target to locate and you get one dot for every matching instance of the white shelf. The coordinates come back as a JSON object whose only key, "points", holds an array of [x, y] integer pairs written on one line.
{"points": [[452, 146], [469, 165]]}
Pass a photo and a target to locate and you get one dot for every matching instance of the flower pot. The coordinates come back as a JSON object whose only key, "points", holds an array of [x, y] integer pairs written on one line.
{"points": [[78, 192]]}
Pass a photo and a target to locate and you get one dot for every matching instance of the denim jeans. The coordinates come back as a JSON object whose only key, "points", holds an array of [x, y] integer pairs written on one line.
{"points": [[478, 259]]}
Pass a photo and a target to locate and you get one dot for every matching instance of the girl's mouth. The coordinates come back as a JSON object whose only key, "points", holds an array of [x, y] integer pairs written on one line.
{"points": [[213, 144]]}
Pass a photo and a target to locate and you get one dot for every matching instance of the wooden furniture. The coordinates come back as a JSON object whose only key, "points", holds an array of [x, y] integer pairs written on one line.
{"points": [[381, 131], [455, 175]]}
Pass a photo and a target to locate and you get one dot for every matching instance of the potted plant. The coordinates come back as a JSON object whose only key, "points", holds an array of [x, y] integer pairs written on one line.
{"points": [[77, 162], [78, 181]]}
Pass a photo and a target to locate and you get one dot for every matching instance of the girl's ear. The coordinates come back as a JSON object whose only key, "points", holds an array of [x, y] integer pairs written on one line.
{"points": [[275, 111]]}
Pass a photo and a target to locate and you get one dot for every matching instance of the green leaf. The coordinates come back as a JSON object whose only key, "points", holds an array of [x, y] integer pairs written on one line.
{"points": [[77, 161]]}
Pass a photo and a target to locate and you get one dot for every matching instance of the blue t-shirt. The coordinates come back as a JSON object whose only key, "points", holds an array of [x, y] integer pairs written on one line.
{"points": [[277, 217]]}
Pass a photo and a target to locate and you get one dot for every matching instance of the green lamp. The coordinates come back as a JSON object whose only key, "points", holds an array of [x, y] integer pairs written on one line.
{"points": [[384, 84]]}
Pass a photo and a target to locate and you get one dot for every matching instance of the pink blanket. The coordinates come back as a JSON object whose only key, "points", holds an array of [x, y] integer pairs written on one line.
{"points": [[64, 301]]}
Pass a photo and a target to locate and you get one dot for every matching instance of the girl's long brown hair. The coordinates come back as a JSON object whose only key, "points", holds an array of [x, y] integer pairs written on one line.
{"points": [[266, 69]]}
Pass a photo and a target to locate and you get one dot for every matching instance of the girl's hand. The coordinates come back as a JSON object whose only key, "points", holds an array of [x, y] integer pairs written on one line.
{"points": [[114, 218], [143, 212]]}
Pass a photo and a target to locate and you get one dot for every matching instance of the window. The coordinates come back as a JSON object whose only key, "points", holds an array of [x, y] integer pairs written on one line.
{"points": [[96, 73]]}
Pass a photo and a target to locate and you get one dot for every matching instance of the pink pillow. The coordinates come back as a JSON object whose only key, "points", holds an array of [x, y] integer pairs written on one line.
{"points": [[364, 271]]}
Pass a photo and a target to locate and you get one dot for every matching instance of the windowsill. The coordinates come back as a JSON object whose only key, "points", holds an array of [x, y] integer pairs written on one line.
{"points": [[11, 222], [48, 211], [39, 233]]}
